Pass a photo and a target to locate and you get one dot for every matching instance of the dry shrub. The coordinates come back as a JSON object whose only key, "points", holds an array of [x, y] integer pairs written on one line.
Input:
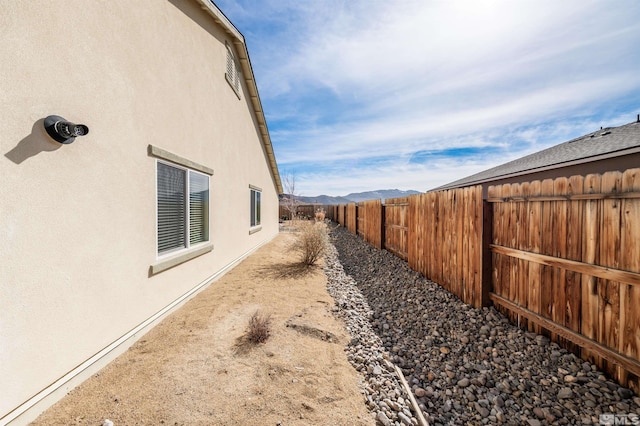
{"points": [[259, 327], [312, 241], [320, 216]]}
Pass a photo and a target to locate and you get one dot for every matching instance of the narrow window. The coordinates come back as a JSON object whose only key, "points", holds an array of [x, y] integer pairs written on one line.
{"points": [[255, 207], [182, 208], [198, 208]]}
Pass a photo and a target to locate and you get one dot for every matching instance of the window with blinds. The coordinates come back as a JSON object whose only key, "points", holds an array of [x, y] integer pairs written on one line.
{"points": [[182, 208], [198, 208], [255, 207]]}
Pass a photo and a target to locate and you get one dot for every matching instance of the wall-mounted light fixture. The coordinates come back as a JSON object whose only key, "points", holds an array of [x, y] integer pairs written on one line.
{"points": [[63, 131]]}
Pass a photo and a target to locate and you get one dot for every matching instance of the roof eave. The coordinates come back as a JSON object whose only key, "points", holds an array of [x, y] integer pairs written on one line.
{"points": [[585, 160]]}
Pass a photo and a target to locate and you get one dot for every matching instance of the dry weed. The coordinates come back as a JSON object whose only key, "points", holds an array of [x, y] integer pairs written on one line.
{"points": [[312, 241], [259, 327]]}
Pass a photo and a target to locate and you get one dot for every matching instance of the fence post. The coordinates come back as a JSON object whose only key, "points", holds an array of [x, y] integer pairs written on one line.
{"points": [[382, 225], [487, 260]]}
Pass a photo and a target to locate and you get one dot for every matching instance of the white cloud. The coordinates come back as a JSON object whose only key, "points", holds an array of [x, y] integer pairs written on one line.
{"points": [[395, 133], [359, 80]]}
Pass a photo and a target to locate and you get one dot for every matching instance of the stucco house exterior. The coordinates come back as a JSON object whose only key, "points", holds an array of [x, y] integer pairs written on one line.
{"points": [[171, 183]]}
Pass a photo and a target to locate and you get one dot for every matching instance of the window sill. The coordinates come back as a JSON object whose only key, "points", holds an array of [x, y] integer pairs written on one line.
{"points": [[255, 229], [179, 258]]}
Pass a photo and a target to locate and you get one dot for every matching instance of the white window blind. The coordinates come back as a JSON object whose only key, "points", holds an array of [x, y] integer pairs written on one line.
{"points": [[255, 207], [198, 208], [171, 208], [180, 215]]}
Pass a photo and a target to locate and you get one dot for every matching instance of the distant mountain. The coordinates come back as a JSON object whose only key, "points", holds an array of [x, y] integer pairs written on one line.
{"points": [[383, 194], [356, 197], [320, 199], [323, 199]]}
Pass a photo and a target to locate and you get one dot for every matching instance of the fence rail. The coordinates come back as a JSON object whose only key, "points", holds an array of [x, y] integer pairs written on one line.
{"points": [[559, 257], [567, 252]]}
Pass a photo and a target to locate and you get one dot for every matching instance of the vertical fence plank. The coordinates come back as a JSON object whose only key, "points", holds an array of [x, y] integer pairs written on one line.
{"points": [[351, 217], [466, 257], [412, 233], [486, 277], [480, 295], [589, 251], [546, 246], [505, 262], [534, 242], [609, 251], [559, 211], [431, 230], [515, 226], [523, 244], [494, 238], [574, 252], [396, 227], [629, 339]]}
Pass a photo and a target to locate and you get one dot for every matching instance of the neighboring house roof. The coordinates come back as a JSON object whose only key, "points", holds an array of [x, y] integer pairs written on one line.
{"points": [[247, 72], [605, 143]]}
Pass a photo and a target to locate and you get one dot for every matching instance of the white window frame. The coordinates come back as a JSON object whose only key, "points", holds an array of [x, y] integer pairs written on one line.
{"points": [[255, 215], [171, 258], [187, 224], [232, 73]]}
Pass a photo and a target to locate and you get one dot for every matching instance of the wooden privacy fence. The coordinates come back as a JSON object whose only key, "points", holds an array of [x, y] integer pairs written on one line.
{"points": [[332, 213], [351, 218], [395, 225], [369, 222], [306, 211], [445, 240], [566, 262], [341, 214], [559, 257], [437, 233]]}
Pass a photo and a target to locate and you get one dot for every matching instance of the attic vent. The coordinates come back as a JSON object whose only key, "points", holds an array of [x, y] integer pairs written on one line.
{"points": [[233, 72], [605, 133]]}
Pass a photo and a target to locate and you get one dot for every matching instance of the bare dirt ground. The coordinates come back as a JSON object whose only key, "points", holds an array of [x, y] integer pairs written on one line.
{"points": [[197, 368]]}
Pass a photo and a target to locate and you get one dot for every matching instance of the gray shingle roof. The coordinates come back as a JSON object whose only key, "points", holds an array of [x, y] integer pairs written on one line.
{"points": [[605, 143]]}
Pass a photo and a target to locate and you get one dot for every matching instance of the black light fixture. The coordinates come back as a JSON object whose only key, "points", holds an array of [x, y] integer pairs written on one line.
{"points": [[63, 131]]}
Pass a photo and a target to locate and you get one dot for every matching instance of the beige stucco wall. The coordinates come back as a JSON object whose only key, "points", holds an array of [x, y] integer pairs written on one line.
{"points": [[77, 222]]}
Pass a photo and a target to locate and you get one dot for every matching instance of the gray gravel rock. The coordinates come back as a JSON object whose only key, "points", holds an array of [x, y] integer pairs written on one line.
{"points": [[465, 365], [381, 386]]}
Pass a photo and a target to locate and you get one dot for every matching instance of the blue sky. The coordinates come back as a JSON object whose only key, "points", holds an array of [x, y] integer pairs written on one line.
{"points": [[412, 94]]}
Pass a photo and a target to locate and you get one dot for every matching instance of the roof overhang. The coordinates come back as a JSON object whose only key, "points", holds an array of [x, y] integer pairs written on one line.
{"points": [[247, 72], [585, 160]]}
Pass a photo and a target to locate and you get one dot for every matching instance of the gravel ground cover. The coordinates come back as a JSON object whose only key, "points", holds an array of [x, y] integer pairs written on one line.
{"points": [[464, 365]]}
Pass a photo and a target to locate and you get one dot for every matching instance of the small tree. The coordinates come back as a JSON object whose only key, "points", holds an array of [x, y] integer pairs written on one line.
{"points": [[290, 198]]}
